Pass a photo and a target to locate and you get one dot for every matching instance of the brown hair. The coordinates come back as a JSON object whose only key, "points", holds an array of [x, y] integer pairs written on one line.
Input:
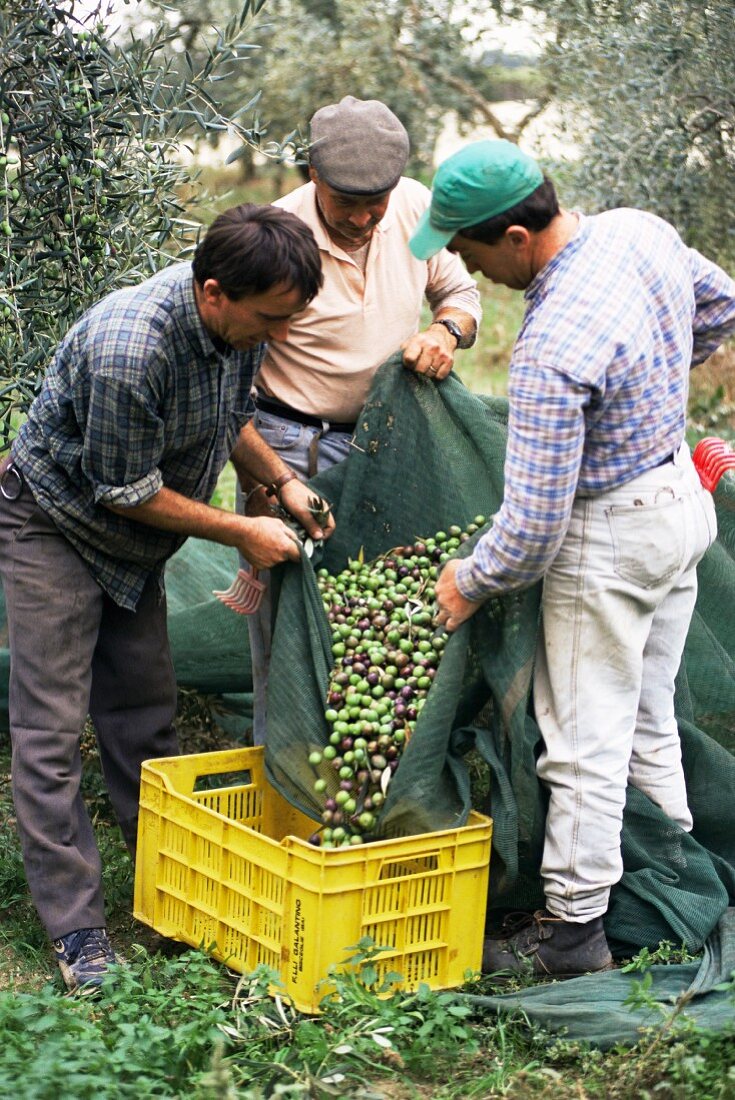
{"points": [[249, 249]]}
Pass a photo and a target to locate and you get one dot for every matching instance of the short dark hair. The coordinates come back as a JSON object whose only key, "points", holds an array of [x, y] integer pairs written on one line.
{"points": [[534, 213], [249, 249]]}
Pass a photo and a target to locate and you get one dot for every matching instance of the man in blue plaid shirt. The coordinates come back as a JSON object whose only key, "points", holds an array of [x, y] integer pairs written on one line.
{"points": [[601, 500], [146, 399]]}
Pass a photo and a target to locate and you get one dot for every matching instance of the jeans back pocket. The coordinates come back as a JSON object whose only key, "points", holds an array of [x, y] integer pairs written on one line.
{"points": [[649, 540]]}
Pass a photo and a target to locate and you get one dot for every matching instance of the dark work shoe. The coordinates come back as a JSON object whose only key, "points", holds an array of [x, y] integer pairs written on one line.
{"points": [[84, 957], [548, 946]]}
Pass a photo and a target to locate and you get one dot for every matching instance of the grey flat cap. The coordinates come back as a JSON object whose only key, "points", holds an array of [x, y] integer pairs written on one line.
{"points": [[358, 146]]}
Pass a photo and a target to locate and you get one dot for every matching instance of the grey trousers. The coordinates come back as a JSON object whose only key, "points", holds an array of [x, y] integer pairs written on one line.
{"points": [[74, 652]]}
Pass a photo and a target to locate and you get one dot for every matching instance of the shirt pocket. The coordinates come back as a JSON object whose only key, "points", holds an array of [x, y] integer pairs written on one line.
{"points": [[648, 540]]}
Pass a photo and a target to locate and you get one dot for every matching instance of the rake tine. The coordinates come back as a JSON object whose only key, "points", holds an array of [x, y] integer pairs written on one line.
{"points": [[244, 594]]}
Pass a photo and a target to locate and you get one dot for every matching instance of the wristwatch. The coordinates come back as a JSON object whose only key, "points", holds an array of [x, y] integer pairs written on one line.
{"points": [[452, 326]]}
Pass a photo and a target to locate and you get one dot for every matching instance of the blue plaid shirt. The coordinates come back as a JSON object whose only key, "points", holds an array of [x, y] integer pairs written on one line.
{"points": [[137, 397], [598, 382]]}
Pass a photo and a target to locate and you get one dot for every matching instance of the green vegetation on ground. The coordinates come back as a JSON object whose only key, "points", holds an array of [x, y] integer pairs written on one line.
{"points": [[173, 1023]]}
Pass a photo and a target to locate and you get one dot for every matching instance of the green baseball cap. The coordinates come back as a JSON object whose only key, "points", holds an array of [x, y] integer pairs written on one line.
{"points": [[481, 180]]}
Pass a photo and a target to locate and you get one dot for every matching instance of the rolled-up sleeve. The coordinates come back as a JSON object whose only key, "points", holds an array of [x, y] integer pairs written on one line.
{"points": [[450, 286], [123, 443]]}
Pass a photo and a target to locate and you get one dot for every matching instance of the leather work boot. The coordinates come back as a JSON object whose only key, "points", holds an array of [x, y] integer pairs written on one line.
{"points": [[550, 947]]}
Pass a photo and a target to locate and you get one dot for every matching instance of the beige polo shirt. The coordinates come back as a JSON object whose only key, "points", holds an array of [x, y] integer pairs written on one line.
{"points": [[358, 320]]}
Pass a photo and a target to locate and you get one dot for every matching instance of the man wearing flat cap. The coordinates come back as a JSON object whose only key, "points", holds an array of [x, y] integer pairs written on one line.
{"points": [[601, 500], [312, 385]]}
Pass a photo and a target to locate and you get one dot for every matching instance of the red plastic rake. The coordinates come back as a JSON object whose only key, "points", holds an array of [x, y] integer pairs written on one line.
{"points": [[245, 592], [711, 457]]}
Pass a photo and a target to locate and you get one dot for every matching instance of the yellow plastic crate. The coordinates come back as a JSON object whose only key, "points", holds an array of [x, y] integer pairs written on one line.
{"points": [[223, 863]]}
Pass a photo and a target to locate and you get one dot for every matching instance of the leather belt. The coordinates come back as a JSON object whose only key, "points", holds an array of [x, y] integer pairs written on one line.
{"points": [[277, 408]]}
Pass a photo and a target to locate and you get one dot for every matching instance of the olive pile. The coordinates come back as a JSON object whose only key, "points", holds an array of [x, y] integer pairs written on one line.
{"points": [[386, 653]]}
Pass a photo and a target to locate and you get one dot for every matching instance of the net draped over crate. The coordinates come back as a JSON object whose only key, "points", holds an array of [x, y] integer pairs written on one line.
{"points": [[427, 456]]}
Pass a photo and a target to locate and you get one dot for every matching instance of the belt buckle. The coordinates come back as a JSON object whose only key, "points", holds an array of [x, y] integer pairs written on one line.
{"points": [[11, 483]]}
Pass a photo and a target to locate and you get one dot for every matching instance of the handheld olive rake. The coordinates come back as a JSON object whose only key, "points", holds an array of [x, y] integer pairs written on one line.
{"points": [[712, 457], [246, 591], [244, 594]]}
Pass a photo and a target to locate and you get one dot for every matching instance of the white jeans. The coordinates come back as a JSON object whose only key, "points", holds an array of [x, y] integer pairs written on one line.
{"points": [[617, 603]]}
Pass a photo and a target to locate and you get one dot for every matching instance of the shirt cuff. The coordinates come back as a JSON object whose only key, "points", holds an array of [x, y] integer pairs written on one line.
{"points": [[466, 301], [128, 496], [465, 577], [242, 417]]}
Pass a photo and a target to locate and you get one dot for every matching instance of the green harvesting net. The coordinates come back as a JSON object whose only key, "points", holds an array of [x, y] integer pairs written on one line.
{"points": [[429, 456]]}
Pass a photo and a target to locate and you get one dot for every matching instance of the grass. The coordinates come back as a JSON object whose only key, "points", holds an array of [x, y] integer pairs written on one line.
{"points": [[172, 1023]]}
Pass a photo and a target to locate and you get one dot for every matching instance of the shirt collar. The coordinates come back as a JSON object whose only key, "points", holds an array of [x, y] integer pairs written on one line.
{"points": [[203, 344], [539, 281]]}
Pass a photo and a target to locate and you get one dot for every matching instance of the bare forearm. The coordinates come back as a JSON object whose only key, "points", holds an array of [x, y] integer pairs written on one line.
{"points": [[466, 322], [263, 541], [255, 463], [253, 459], [170, 511]]}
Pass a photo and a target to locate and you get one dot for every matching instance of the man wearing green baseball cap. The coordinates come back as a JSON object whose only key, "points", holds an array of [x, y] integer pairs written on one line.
{"points": [[601, 501], [478, 182]]}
